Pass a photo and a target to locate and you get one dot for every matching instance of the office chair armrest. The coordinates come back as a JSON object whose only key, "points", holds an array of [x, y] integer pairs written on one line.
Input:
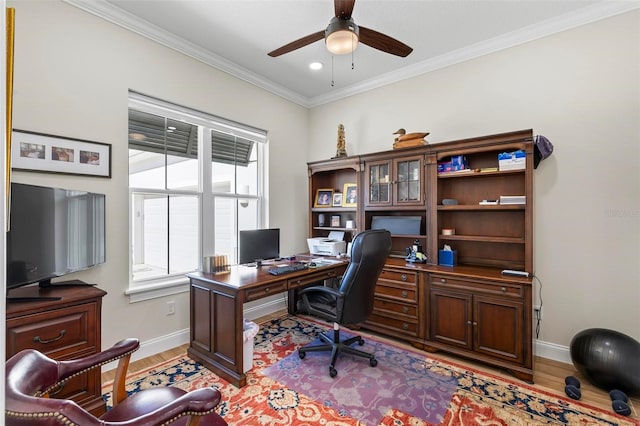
{"points": [[121, 350], [306, 296]]}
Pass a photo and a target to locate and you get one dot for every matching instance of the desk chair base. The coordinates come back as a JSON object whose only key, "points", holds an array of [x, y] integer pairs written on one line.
{"points": [[336, 346]]}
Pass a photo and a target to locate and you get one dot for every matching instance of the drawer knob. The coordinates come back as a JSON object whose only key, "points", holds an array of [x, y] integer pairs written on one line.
{"points": [[267, 290], [443, 280], [405, 309], [403, 277], [37, 339], [404, 294], [405, 326], [504, 289], [298, 282]]}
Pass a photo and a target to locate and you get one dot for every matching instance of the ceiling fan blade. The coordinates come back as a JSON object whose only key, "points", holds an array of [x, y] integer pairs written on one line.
{"points": [[311, 38], [344, 8], [383, 42]]}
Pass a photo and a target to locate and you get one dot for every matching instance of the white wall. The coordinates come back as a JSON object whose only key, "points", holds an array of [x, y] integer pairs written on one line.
{"points": [[579, 88], [72, 74]]}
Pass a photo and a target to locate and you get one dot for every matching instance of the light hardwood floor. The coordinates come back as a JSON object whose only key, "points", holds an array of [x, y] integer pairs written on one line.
{"points": [[548, 375]]}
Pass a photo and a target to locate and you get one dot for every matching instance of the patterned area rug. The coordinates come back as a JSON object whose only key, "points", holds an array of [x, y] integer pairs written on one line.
{"points": [[270, 398]]}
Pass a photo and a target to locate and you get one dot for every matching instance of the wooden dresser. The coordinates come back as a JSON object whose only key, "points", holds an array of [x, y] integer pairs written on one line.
{"points": [[62, 329]]}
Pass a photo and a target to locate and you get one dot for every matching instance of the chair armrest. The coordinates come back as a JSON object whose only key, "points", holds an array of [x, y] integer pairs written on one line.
{"points": [[321, 289], [71, 368], [199, 402]]}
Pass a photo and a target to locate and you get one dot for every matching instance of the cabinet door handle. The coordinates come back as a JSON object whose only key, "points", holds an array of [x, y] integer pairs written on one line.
{"points": [[469, 323], [403, 277], [37, 339]]}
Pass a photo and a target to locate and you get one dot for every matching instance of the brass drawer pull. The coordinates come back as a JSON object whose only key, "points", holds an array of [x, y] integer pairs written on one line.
{"points": [[37, 339], [405, 326], [58, 390], [404, 294], [504, 289], [405, 309], [403, 277], [443, 280], [267, 290]]}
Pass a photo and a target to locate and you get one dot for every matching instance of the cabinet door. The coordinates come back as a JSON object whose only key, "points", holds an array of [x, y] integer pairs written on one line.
{"points": [[498, 325], [408, 189], [378, 179], [451, 315]]}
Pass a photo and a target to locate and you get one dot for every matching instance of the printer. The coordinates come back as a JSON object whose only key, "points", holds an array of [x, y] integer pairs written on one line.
{"points": [[332, 245]]}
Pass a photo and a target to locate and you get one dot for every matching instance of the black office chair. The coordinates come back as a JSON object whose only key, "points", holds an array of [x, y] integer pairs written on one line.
{"points": [[352, 301]]}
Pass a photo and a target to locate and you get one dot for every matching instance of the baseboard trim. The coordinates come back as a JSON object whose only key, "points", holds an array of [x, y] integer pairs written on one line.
{"points": [[160, 344]]}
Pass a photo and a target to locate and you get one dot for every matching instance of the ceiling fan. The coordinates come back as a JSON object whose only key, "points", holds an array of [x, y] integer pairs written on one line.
{"points": [[342, 35]]}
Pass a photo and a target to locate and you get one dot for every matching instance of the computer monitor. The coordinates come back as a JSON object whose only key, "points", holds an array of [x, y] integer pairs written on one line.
{"points": [[259, 244]]}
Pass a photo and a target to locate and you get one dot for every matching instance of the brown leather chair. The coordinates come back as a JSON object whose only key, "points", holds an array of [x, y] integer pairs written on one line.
{"points": [[352, 302], [31, 375]]}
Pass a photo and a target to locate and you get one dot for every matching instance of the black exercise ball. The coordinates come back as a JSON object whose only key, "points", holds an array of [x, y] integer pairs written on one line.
{"points": [[607, 358]]}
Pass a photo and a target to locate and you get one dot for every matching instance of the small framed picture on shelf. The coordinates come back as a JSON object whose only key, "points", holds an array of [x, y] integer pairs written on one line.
{"points": [[350, 197], [335, 221], [323, 198], [337, 199]]}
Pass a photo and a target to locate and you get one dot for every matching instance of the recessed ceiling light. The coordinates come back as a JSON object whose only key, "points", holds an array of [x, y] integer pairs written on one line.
{"points": [[315, 66]]}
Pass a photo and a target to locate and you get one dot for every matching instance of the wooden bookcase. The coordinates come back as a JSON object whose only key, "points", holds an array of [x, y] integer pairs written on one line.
{"points": [[470, 309]]}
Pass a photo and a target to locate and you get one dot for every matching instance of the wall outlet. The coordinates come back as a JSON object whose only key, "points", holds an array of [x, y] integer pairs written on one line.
{"points": [[537, 312], [171, 307]]}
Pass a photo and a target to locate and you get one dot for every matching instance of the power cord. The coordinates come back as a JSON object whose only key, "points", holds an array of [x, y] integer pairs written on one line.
{"points": [[539, 310]]}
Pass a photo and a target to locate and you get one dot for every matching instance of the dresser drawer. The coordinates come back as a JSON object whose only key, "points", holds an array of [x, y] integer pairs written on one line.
{"points": [[398, 276], [382, 305], [489, 287], [59, 333]]}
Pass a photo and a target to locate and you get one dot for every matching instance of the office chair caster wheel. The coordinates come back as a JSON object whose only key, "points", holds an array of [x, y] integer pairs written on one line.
{"points": [[333, 372], [373, 362], [301, 354]]}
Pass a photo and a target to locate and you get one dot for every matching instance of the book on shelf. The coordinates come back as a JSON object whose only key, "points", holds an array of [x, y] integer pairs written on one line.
{"points": [[513, 199]]}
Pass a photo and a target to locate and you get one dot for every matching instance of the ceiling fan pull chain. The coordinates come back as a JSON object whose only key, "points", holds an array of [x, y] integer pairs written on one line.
{"points": [[332, 83]]}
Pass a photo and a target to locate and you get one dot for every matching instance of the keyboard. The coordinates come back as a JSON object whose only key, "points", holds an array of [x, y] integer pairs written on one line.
{"points": [[281, 270]]}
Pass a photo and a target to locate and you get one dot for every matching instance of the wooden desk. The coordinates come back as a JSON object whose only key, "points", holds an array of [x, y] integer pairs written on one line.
{"points": [[216, 311]]}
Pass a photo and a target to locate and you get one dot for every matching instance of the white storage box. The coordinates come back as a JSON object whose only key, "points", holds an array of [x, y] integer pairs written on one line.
{"points": [[249, 331], [515, 160]]}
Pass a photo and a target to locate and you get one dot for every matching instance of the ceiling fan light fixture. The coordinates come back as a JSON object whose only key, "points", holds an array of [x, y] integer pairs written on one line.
{"points": [[342, 36]]}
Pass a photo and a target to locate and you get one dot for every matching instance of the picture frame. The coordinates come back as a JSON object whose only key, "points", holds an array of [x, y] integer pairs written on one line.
{"points": [[324, 196], [41, 152], [337, 199], [335, 221], [350, 195]]}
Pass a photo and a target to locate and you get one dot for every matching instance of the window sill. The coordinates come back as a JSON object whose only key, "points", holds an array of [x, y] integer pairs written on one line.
{"points": [[158, 288]]}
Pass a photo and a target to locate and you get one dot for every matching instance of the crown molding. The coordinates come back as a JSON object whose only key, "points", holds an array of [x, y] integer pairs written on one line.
{"points": [[586, 15]]}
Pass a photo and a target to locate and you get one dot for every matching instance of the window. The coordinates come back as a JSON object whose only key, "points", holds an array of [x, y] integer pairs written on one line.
{"points": [[195, 180]]}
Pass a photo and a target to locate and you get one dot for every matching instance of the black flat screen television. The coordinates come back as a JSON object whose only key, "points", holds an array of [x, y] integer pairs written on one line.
{"points": [[259, 244], [53, 232]]}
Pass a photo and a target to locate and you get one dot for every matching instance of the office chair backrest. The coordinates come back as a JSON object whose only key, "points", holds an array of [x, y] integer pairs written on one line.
{"points": [[369, 251]]}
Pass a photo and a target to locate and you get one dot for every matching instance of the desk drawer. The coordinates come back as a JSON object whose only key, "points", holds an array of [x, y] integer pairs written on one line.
{"points": [[396, 324], [60, 333], [267, 290], [398, 276], [402, 293], [313, 278], [489, 287], [382, 305]]}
